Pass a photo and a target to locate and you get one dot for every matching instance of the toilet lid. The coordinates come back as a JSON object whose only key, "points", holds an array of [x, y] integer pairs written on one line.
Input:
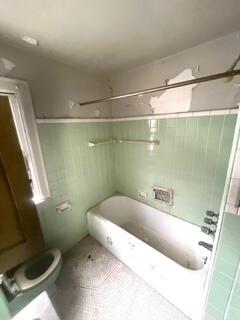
{"points": [[32, 273]]}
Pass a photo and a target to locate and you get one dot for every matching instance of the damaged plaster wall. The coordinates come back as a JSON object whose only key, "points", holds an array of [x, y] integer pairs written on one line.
{"points": [[208, 58], [54, 86], [174, 100]]}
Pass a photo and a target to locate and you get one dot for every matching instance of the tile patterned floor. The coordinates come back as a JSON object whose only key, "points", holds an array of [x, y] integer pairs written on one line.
{"points": [[94, 285]]}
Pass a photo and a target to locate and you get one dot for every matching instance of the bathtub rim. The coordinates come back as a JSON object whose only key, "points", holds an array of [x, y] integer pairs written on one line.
{"points": [[93, 210], [117, 193]]}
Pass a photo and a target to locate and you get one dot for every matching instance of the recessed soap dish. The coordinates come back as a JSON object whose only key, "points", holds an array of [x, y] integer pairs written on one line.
{"points": [[163, 194], [63, 207]]}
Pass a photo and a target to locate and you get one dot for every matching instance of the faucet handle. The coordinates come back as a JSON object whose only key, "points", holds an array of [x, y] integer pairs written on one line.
{"points": [[212, 214], [210, 221], [207, 230]]}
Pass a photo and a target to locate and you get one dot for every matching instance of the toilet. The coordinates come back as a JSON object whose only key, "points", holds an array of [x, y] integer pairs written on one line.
{"points": [[38, 274]]}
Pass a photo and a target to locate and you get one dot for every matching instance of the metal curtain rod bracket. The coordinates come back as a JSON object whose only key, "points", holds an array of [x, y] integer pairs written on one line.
{"points": [[228, 74]]}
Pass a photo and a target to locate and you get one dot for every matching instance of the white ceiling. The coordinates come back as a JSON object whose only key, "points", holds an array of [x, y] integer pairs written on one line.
{"points": [[108, 35]]}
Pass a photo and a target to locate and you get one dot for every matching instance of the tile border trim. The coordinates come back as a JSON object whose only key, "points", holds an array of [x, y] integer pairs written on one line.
{"points": [[72, 120], [151, 117]]}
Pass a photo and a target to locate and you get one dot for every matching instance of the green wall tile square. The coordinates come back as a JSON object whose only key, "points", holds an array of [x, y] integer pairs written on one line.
{"points": [[233, 314], [219, 297], [214, 313], [224, 266]]}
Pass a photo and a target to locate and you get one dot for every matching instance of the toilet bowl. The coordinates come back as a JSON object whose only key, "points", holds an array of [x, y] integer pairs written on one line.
{"points": [[40, 272]]}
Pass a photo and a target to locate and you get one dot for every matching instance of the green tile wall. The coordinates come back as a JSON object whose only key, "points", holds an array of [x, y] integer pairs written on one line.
{"points": [[4, 312], [193, 150], [192, 159], [77, 173], [224, 297]]}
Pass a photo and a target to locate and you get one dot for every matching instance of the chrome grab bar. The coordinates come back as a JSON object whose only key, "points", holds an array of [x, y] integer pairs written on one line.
{"points": [[112, 140], [152, 142]]}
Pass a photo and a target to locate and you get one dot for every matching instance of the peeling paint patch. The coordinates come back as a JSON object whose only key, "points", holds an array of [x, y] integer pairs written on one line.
{"points": [[175, 100], [8, 65]]}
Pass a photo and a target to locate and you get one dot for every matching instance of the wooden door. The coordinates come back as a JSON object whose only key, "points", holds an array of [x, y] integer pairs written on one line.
{"points": [[20, 232]]}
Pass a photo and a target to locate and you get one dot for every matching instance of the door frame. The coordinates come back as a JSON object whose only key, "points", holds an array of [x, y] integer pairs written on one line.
{"points": [[20, 100]]}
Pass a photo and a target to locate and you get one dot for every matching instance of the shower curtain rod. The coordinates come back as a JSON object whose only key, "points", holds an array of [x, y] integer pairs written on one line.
{"points": [[228, 74]]}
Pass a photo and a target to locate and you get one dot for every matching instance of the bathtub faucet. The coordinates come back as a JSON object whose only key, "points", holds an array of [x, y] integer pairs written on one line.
{"points": [[212, 214], [208, 231], [206, 245]]}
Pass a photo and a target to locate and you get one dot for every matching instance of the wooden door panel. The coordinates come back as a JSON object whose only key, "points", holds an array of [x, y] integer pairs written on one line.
{"points": [[20, 232], [10, 226]]}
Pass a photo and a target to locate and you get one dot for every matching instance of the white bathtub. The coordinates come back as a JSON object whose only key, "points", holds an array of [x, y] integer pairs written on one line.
{"points": [[163, 250]]}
